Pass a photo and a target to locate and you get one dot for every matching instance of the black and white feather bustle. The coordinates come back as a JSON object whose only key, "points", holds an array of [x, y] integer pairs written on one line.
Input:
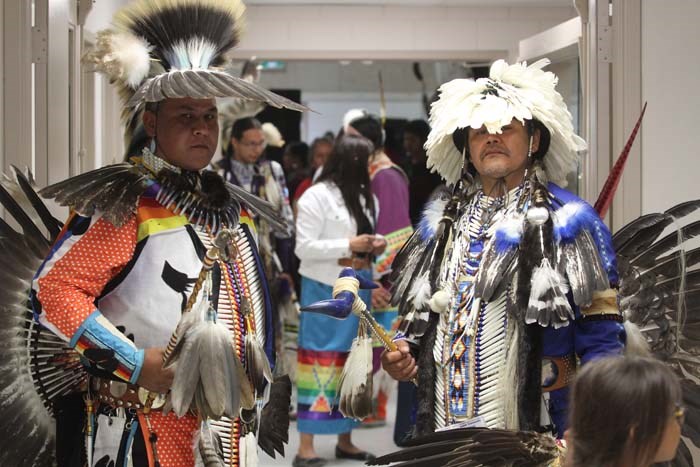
{"points": [[476, 447], [659, 295], [36, 367]]}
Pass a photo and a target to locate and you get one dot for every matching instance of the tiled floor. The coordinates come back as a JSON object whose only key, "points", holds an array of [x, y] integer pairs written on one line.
{"points": [[379, 440]]}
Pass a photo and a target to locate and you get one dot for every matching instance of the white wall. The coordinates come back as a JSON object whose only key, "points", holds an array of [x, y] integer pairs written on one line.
{"points": [[392, 31], [331, 107], [670, 71], [101, 14]]}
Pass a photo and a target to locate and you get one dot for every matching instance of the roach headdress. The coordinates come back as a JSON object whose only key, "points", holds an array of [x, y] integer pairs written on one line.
{"points": [[159, 49]]}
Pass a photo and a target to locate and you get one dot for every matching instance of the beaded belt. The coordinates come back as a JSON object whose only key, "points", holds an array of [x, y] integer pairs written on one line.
{"points": [[557, 372], [124, 395], [354, 262]]}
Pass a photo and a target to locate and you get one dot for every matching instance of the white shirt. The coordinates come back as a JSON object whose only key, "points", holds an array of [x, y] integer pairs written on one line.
{"points": [[324, 229]]}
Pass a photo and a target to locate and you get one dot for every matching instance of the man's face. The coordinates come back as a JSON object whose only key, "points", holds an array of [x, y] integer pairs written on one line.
{"points": [[413, 146], [497, 156], [250, 147], [186, 131], [320, 155]]}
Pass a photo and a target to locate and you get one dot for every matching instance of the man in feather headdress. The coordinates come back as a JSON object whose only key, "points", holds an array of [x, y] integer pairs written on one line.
{"points": [[509, 283], [130, 259]]}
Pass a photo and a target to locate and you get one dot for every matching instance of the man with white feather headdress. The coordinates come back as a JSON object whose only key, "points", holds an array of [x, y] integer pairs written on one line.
{"points": [[509, 283], [155, 280]]}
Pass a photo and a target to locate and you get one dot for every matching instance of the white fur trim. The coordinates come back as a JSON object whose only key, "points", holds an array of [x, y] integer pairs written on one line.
{"points": [[122, 56], [440, 301], [568, 211], [432, 214], [273, 137]]}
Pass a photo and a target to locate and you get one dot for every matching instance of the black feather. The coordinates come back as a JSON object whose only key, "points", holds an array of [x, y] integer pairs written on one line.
{"points": [[33, 236], [52, 224], [647, 258], [214, 189], [476, 447], [273, 433], [670, 265], [683, 209], [113, 190], [643, 226], [179, 23], [692, 280], [425, 415], [258, 206]]}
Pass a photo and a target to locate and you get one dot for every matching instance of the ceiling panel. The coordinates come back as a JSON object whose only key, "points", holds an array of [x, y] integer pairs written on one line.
{"points": [[490, 3]]}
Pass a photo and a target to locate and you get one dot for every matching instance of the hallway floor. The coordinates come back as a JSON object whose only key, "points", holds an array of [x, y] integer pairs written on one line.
{"points": [[378, 441]]}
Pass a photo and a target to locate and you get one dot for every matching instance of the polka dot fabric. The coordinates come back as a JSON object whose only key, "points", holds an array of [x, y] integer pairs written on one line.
{"points": [[175, 438], [70, 282]]}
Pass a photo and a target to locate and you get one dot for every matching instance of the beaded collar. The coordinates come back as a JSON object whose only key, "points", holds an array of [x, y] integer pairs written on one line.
{"points": [[181, 192], [485, 211]]}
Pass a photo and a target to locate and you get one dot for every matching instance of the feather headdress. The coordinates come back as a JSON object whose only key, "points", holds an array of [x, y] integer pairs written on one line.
{"points": [[159, 49], [511, 91]]}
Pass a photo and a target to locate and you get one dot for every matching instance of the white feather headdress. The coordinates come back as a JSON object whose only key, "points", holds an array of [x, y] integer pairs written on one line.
{"points": [[511, 91]]}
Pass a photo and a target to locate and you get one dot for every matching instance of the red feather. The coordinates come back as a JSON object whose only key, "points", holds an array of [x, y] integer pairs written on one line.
{"points": [[608, 192]]}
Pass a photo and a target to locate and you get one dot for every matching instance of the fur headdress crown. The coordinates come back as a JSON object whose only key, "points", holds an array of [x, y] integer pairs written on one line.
{"points": [[511, 91], [159, 49]]}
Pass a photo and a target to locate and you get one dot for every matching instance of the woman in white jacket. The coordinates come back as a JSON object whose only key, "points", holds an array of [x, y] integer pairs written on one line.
{"points": [[335, 229]]}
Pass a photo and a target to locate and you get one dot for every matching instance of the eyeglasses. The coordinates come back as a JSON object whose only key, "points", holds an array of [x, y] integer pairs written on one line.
{"points": [[254, 144], [679, 414]]}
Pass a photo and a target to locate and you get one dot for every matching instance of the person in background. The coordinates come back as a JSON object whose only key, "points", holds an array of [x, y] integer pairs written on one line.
{"points": [[318, 155], [245, 166], [643, 394], [422, 181], [390, 186], [295, 162], [335, 229]]}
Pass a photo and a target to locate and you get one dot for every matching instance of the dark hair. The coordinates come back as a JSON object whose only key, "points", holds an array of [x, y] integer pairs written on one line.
{"points": [[347, 169], [370, 127], [642, 393], [420, 128], [319, 141], [299, 150], [242, 125], [239, 127], [315, 144], [139, 140]]}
